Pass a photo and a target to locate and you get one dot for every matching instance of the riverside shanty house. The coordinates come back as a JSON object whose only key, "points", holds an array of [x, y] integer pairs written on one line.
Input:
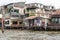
{"points": [[37, 14], [55, 20], [48, 10], [16, 20], [13, 14], [32, 19], [27, 15], [13, 19]]}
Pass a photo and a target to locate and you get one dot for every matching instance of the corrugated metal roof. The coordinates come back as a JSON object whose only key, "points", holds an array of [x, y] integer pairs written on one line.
{"points": [[57, 12], [31, 17]]}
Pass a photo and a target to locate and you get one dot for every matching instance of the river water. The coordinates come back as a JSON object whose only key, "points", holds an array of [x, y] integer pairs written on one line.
{"points": [[29, 35]]}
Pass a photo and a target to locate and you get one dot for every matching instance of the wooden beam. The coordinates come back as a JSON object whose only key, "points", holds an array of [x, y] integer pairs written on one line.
{"points": [[2, 26]]}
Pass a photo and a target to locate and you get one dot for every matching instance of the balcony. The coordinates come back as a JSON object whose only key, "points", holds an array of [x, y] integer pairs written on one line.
{"points": [[32, 14], [16, 23], [14, 15], [44, 16], [29, 11], [6, 16]]}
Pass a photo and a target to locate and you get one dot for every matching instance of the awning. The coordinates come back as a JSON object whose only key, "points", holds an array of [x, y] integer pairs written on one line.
{"points": [[31, 17], [56, 16]]}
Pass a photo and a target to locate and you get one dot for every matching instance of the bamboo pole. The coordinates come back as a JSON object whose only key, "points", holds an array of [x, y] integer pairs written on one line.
{"points": [[2, 20], [2, 26]]}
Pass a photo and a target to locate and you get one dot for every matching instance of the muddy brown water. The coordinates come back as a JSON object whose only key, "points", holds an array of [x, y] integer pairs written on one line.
{"points": [[29, 35]]}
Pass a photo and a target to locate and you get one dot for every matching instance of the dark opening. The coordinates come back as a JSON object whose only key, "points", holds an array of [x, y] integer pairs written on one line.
{"points": [[0, 24], [7, 22], [20, 22], [27, 15], [14, 22], [16, 10]]}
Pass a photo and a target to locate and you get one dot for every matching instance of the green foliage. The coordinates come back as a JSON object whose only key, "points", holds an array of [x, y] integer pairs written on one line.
{"points": [[32, 14]]}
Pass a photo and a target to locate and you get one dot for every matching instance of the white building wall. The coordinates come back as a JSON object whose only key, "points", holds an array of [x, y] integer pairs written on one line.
{"points": [[9, 22], [21, 10], [1, 15]]}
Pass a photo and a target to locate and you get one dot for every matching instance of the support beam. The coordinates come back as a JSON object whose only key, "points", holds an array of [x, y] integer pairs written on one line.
{"points": [[2, 26]]}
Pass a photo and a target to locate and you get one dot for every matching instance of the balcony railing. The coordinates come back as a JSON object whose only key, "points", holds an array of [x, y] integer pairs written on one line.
{"points": [[30, 11]]}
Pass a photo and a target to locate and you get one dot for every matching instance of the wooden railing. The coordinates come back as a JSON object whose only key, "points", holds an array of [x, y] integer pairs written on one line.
{"points": [[54, 26]]}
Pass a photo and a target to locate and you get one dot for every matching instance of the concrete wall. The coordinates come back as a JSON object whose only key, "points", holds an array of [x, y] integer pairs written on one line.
{"points": [[21, 10]]}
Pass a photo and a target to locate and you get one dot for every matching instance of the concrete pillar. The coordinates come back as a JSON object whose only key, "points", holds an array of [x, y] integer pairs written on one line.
{"points": [[46, 21]]}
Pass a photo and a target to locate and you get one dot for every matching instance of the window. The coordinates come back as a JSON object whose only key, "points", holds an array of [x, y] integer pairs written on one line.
{"points": [[20, 22], [11, 10], [27, 10], [55, 20], [16, 10], [6, 22], [27, 15], [24, 10], [14, 22], [59, 20]]}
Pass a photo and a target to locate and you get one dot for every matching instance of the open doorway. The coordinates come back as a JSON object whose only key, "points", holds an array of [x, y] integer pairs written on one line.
{"points": [[0, 24]]}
